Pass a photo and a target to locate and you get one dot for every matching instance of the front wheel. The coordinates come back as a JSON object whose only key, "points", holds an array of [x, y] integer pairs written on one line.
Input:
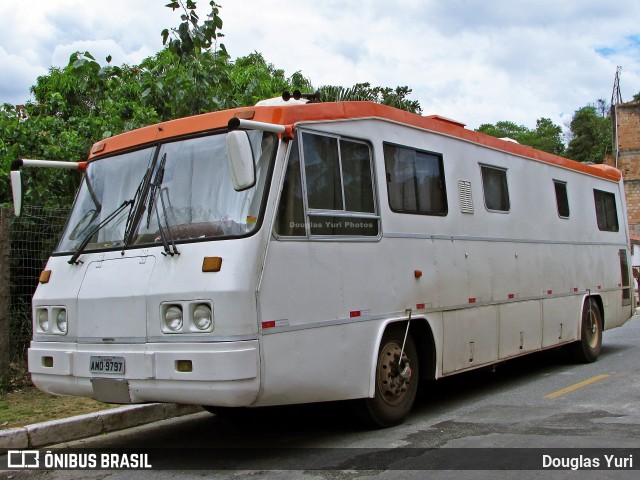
{"points": [[587, 349], [397, 373]]}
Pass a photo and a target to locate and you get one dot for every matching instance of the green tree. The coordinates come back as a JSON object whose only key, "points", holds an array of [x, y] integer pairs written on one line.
{"points": [[87, 101], [25, 136], [251, 79], [591, 135], [192, 38], [394, 97], [547, 136]]}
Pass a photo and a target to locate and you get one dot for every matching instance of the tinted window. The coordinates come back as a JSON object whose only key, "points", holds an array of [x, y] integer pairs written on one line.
{"points": [[606, 211], [290, 217], [356, 175], [626, 281], [561, 198], [322, 170], [415, 181], [337, 177], [496, 191]]}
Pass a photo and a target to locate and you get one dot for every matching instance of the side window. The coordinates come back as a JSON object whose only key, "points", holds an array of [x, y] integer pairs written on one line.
{"points": [[562, 200], [626, 281], [336, 176], [606, 211], [290, 216], [415, 181], [496, 191], [322, 172]]}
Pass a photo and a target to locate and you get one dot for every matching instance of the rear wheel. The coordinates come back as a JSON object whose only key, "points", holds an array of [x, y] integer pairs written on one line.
{"points": [[397, 373], [587, 349]]}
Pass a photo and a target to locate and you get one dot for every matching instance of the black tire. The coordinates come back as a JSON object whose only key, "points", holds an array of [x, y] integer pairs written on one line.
{"points": [[396, 381], [587, 349]]}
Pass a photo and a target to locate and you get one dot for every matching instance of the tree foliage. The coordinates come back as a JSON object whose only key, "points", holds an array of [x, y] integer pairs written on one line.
{"points": [[591, 134], [85, 101], [546, 136], [192, 38], [365, 92], [88, 100], [252, 78]]}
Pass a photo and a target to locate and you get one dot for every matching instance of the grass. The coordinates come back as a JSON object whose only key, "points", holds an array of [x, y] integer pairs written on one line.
{"points": [[29, 405], [24, 404]]}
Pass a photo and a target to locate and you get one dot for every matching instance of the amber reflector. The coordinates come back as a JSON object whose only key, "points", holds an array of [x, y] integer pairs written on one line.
{"points": [[212, 264]]}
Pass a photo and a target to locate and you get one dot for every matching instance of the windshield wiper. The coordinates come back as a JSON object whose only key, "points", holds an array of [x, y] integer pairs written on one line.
{"points": [[155, 185], [74, 259], [137, 207], [168, 243]]}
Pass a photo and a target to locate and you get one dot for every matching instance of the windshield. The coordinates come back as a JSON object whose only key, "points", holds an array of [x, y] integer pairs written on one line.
{"points": [[192, 197]]}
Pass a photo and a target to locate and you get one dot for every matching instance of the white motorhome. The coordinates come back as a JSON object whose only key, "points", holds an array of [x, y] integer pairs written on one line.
{"points": [[315, 252]]}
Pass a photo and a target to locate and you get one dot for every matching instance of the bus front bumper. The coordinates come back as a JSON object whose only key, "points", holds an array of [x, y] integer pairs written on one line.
{"points": [[225, 374]]}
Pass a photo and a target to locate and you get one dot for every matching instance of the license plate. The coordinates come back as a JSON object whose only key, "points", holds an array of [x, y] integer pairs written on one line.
{"points": [[106, 364]]}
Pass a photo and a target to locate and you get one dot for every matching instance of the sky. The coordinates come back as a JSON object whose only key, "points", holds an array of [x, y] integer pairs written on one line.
{"points": [[475, 61]]}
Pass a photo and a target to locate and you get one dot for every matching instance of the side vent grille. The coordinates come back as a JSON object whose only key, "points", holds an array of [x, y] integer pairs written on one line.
{"points": [[466, 201]]}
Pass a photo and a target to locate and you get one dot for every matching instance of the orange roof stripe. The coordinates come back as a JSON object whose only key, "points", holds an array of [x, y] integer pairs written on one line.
{"points": [[292, 114]]}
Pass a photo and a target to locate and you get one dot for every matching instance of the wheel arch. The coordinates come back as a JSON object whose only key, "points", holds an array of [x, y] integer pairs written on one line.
{"points": [[425, 344], [597, 298], [423, 338]]}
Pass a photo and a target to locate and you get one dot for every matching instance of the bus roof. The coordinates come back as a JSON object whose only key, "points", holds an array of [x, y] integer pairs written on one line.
{"points": [[316, 112]]}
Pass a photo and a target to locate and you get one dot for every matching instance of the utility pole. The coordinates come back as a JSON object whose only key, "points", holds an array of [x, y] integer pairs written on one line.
{"points": [[616, 99]]}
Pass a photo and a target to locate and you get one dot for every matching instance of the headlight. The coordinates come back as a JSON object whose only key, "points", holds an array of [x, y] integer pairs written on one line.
{"points": [[173, 318], [61, 320], [43, 319], [202, 317]]}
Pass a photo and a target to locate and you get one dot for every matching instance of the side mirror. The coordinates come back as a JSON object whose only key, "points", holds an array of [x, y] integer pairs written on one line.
{"points": [[16, 190], [241, 161]]}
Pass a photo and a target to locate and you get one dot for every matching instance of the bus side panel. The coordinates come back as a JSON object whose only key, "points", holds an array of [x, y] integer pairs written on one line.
{"points": [[320, 297], [520, 328], [470, 338], [561, 322], [317, 364]]}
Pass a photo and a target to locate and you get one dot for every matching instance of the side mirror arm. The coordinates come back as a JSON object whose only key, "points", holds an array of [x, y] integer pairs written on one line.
{"points": [[16, 176]]}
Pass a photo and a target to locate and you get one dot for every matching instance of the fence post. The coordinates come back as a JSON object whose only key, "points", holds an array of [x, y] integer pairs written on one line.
{"points": [[5, 287]]}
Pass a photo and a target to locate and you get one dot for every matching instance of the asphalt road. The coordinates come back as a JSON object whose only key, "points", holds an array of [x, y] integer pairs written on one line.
{"points": [[542, 401]]}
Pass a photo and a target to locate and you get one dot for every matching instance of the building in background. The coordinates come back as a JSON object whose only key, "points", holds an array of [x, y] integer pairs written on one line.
{"points": [[626, 157]]}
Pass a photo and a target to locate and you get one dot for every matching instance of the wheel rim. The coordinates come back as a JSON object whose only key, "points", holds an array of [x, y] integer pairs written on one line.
{"points": [[394, 374], [592, 329]]}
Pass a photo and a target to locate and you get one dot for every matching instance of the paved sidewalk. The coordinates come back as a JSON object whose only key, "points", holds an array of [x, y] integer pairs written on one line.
{"points": [[83, 426]]}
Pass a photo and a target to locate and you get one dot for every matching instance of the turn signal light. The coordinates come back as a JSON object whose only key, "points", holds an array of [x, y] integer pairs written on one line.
{"points": [[212, 264], [184, 366], [45, 275]]}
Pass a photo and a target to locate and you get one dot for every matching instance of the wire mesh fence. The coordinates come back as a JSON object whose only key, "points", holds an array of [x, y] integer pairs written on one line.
{"points": [[34, 235]]}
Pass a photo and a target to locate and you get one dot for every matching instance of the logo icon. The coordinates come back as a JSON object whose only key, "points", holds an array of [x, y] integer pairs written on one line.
{"points": [[23, 459]]}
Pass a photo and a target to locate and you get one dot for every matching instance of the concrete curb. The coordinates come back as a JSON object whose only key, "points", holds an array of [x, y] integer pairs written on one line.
{"points": [[91, 424]]}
